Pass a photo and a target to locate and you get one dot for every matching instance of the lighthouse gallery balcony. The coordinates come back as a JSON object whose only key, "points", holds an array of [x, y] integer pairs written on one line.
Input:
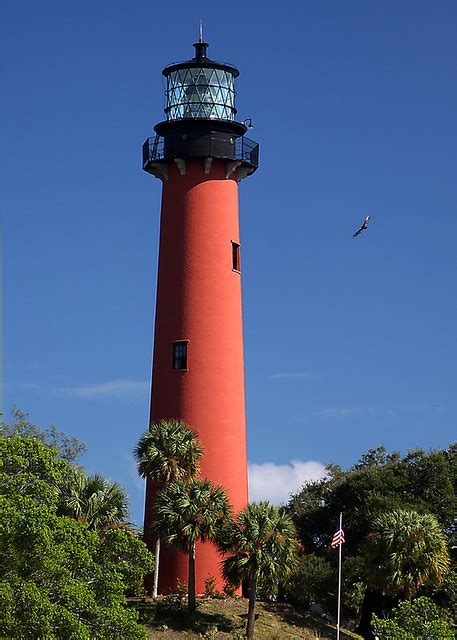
{"points": [[156, 149]]}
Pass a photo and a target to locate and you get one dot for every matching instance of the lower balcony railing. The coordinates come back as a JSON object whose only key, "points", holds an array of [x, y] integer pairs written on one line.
{"points": [[158, 149]]}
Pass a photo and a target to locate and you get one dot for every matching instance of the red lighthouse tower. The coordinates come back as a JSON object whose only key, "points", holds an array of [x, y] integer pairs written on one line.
{"points": [[200, 153]]}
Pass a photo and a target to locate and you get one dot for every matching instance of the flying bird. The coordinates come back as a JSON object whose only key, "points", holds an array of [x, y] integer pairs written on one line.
{"points": [[363, 226]]}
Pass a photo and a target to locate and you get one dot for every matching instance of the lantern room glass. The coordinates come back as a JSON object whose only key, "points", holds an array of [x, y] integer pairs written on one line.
{"points": [[200, 92]]}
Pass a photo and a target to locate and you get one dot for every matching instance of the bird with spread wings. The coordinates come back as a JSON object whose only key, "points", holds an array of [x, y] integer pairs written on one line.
{"points": [[362, 227]]}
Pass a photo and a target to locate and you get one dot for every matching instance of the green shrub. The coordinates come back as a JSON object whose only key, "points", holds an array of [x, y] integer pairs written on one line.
{"points": [[210, 586], [353, 587], [229, 590], [314, 581], [421, 618]]}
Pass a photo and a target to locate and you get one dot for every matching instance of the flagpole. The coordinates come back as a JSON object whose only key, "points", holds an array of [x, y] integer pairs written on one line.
{"points": [[339, 582]]}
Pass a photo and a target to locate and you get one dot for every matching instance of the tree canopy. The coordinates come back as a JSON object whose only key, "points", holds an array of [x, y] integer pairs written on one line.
{"points": [[168, 451], [261, 548], [379, 485], [380, 482], [59, 579], [92, 499], [188, 512], [404, 551], [67, 447]]}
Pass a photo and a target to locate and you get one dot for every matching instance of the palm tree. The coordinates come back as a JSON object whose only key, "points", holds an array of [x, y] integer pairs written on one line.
{"points": [[406, 550], [92, 499], [169, 451], [188, 512], [262, 550]]}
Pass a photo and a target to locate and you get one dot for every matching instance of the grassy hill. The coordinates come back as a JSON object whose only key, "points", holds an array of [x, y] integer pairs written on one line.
{"points": [[218, 619]]}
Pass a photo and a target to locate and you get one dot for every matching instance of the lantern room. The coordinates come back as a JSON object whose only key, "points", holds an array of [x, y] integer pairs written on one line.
{"points": [[200, 88], [200, 118]]}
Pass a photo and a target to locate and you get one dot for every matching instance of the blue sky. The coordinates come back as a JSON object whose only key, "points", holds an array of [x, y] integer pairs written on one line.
{"points": [[349, 343]]}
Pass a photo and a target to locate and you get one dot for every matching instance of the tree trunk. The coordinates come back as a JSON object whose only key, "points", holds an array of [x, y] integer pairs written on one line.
{"points": [[156, 569], [369, 606], [373, 602], [155, 587], [251, 608], [191, 600]]}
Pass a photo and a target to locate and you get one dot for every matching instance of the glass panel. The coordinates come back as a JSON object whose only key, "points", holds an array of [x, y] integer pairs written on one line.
{"points": [[227, 80], [183, 76], [218, 73], [200, 92]]}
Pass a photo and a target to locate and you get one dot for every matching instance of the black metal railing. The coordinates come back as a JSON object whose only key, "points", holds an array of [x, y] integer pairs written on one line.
{"points": [[153, 150], [157, 149], [247, 150]]}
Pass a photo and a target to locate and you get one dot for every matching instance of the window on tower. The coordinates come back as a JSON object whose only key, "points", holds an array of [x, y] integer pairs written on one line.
{"points": [[236, 262], [179, 355]]}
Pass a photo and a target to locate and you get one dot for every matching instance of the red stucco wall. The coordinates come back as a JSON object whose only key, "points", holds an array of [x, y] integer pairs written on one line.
{"points": [[199, 299]]}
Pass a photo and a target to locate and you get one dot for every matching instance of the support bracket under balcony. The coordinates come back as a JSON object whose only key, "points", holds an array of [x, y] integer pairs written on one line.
{"points": [[181, 164], [158, 170], [243, 172], [231, 165]]}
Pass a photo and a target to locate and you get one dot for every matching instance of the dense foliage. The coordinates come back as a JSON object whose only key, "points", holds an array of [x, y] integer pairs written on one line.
{"points": [[93, 499], [68, 556], [410, 621], [407, 502], [380, 482], [58, 578], [312, 581]]}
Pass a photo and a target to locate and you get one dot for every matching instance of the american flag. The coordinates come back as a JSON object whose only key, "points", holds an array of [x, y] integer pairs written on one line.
{"points": [[338, 538]]}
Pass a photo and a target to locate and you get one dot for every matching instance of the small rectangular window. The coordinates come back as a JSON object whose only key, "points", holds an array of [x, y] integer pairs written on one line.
{"points": [[180, 355], [236, 263]]}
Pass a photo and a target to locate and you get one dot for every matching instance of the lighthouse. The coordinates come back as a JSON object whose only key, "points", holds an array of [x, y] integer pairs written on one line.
{"points": [[201, 154]]}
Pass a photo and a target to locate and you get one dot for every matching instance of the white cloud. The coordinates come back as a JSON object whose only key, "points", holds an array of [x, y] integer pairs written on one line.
{"points": [[109, 389], [291, 374], [275, 482]]}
